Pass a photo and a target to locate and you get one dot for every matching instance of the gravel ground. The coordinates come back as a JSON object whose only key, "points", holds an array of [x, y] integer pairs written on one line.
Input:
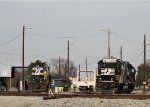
{"points": [[20, 101]]}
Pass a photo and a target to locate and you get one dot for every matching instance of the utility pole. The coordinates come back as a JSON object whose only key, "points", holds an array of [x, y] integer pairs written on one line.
{"points": [[59, 66], [86, 63], [68, 59], [50, 77], [68, 66], [79, 74], [66, 70], [144, 62], [121, 53], [23, 36], [86, 69], [108, 43], [23, 58]]}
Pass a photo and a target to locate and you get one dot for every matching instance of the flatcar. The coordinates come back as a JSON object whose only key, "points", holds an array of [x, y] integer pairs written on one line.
{"points": [[39, 76], [115, 76]]}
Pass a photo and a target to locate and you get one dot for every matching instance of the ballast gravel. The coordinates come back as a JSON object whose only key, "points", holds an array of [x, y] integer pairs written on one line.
{"points": [[21, 101]]}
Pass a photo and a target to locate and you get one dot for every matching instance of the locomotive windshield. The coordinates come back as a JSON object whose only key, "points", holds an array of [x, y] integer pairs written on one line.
{"points": [[108, 65]]}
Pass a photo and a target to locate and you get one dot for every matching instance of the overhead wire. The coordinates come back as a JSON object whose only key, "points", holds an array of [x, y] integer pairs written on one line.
{"points": [[55, 53], [57, 36], [40, 35], [84, 54], [5, 64], [131, 41], [46, 54], [9, 41], [83, 64], [117, 53], [93, 35], [137, 56], [9, 54], [138, 53]]}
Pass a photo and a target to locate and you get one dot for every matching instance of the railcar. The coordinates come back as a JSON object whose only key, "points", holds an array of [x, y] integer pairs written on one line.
{"points": [[39, 76], [115, 76]]}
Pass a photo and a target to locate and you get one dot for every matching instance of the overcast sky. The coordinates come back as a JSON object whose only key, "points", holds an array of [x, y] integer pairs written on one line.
{"points": [[53, 23]]}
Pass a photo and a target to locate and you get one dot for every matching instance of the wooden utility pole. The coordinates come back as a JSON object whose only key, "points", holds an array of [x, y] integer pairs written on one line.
{"points": [[86, 69], [121, 53], [68, 59], [49, 69], [23, 58], [23, 36], [59, 66], [144, 62], [79, 74], [66, 70], [108, 43], [86, 63], [79, 67], [68, 67], [50, 77]]}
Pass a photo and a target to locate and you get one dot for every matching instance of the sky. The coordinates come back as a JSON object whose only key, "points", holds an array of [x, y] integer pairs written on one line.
{"points": [[83, 23]]}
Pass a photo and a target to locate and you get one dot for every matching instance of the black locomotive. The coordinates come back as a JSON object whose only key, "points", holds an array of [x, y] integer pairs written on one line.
{"points": [[115, 76], [39, 76]]}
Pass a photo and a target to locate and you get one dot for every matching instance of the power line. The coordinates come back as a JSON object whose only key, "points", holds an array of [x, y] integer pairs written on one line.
{"points": [[46, 54], [84, 54], [9, 54], [122, 38], [137, 52], [40, 35], [117, 53], [6, 64], [137, 56], [92, 62], [61, 37], [9, 41], [55, 53]]}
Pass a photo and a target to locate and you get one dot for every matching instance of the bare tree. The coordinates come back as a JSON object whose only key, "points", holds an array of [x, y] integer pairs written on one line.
{"points": [[63, 67]]}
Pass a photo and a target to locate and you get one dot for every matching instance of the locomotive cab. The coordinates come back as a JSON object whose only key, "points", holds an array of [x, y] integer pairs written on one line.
{"points": [[107, 69], [115, 75], [107, 74], [38, 76]]}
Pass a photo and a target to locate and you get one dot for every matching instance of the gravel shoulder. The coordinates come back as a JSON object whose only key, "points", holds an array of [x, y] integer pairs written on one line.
{"points": [[21, 101]]}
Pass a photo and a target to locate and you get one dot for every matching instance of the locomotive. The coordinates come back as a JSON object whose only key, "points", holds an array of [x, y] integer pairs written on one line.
{"points": [[115, 76], [39, 76]]}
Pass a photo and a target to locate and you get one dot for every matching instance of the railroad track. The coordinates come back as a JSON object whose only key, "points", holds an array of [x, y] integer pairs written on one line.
{"points": [[106, 96], [14, 93], [77, 95]]}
